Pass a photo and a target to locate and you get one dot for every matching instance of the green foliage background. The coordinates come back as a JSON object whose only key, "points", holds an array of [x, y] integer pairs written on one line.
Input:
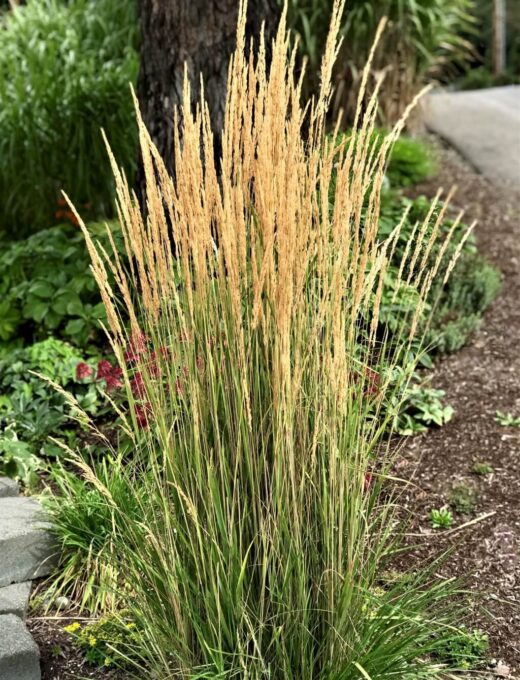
{"points": [[65, 70]]}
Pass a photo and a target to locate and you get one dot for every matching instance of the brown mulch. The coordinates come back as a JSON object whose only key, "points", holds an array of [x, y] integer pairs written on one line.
{"points": [[479, 380]]}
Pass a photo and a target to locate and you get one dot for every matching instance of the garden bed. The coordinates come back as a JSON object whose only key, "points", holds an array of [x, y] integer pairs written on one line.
{"points": [[219, 472], [479, 380]]}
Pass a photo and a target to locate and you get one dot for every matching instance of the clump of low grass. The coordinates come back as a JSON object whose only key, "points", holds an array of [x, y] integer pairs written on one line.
{"points": [[84, 511], [256, 381]]}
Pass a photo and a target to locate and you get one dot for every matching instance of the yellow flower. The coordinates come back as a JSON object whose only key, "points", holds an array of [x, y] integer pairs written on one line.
{"points": [[92, 641], [72, 627], [130, 625]]}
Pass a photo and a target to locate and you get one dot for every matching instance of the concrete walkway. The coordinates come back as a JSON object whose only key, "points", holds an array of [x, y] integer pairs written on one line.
{"points": [[26, 552], [484, 126]]}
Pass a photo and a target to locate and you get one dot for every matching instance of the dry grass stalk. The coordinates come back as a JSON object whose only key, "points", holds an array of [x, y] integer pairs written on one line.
{"points": [[260, 401]]}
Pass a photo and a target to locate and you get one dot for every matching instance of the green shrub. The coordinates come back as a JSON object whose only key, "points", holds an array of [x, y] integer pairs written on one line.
{"points": [[454, 309], [473, 285], [32, 410], [476, 79], [481, 39], [17, 458], [422, 39], [46, 287], [64, 74], [411, 161], [421, 407]]}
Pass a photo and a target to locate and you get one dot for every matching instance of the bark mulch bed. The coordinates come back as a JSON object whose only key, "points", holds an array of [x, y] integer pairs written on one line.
{"points": [[479, 380]]}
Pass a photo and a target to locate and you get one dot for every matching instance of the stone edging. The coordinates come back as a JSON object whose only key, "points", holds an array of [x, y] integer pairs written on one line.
{"points": [[27, 551]]}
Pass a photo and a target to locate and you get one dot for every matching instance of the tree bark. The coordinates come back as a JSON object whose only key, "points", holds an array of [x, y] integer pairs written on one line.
{"points": [[499, 37], [200, 33]]}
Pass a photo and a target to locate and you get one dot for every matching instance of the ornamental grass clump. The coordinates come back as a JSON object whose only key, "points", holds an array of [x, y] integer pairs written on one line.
{"points": [[245, 322]]}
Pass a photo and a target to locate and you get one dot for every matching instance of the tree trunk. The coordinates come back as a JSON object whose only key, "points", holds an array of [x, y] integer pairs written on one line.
{"points": [[499, 37], [200, 33]]}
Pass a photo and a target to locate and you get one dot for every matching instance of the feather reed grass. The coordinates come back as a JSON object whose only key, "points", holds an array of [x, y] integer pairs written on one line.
{"points": [[245, 320]]}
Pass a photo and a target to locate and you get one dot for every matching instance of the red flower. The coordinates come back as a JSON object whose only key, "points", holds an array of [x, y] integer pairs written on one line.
{"points": [[70, 216], [113, 381], [104, 369], [83, 371], [141, 413], [137, 386], [130, 356], [110, 374], [367, 483]]}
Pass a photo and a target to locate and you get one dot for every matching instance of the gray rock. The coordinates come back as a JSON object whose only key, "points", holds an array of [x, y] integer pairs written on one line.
{"points": [[15, 598], [27, 548], [8, 487], [61, 602], [19, 655]]}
